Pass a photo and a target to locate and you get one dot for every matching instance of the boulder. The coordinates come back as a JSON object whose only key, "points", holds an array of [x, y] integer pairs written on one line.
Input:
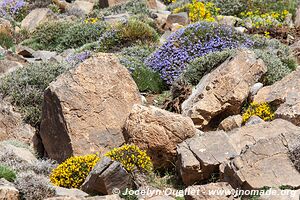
{"points": [[35, 18], [199, 157], [63, 192], [112, 19], [255, 88], [285, 95], [249, 135], [6, 27], [12, 126], [297, 18], [254, 120], [277, 194], [110, 3], [222, 92], [158, 132], [44, 55], [84, 6], [7, 66], [20, 153], [228, 20], [178, 18], [212, 191], [295, 47], [265, 163], [8, 191], [231, 123], [106, 177], [202, 156], [86, 108]]}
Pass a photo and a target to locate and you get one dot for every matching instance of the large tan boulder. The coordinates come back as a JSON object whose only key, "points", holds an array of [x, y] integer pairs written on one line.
{"points": [[12, 126], [110, 3], [266, 163], [8, 191], [85, 109], [35, 18], [158, 132], [285, 95], [222, 92]]}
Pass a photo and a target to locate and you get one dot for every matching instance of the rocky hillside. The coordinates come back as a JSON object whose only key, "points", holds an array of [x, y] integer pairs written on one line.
{"points": [[149, 99]]}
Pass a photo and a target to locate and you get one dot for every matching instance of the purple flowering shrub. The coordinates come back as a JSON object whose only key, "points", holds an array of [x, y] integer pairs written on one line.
{"points": [[193, 41], [78, 58], [12, 9]]}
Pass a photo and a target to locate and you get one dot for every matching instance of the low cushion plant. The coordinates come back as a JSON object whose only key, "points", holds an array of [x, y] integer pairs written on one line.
{"points": [[196, 40]]}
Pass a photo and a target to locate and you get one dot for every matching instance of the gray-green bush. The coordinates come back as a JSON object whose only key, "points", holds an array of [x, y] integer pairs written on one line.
{"points": [[133, 59], [33, 186], [277, 57], [25, 87], [62, 35], [203, 65]]}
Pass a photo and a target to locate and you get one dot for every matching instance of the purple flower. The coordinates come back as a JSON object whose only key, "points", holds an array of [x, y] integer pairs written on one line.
{"points": [[11, 8], [191, 42], [78, 58]]}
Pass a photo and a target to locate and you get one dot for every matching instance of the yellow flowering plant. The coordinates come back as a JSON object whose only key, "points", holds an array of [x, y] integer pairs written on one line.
{"points": [[73, 172], [199, 11], [269, 19], [132, 158], [262, 110], [91, 20]]}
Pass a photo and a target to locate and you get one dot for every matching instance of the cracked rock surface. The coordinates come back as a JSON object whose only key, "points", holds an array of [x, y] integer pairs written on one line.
{"points": [[202, 156], [158, 131], [265, 163], [285, 95], [222, 92], [85, 109]]}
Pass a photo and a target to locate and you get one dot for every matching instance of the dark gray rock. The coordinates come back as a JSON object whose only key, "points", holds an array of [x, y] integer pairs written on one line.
{"points": [[106, 176]]}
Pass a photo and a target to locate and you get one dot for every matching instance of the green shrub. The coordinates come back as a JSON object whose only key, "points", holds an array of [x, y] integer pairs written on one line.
{"points": [[62, 35], [7, 173], [277, 57], [148, 80], [25, 87], [203, 65], [123, 34], [6, 40], [276, 68], [133, 59], [134, 30], [231, 7]]}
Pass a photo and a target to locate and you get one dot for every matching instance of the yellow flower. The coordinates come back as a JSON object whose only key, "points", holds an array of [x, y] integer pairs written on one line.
{"points": [[72, 172], [263, 110], [131, 158]]}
